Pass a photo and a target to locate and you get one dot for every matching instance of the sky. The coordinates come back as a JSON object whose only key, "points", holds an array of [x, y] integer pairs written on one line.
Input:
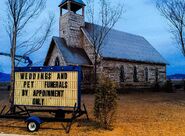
{"points": [[140, 17]]}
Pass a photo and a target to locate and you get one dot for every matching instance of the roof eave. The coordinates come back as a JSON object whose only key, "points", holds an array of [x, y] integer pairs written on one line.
{"points": [[48, 53], [85, 65], [135, 61], [62, 4]]}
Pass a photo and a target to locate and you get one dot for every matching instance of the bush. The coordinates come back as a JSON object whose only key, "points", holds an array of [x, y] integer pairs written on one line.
{"points": [[169, 86], [105, 102]]}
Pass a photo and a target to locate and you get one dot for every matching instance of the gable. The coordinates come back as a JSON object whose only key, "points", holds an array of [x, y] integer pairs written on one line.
{"points": [[71, 55], [52, 54]]}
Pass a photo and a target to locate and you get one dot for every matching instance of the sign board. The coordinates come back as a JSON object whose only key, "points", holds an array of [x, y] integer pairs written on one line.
{"points": [[47, 86]]}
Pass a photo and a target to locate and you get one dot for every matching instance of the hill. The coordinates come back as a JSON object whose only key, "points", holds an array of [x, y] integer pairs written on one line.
{"points": [[176, 77], [4, 77]]}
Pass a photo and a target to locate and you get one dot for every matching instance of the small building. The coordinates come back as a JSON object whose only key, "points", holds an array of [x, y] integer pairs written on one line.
{"points": [[128, 59]]}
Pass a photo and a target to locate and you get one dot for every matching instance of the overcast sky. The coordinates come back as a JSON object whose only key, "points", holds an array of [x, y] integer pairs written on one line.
{"points": [[141, 18]]}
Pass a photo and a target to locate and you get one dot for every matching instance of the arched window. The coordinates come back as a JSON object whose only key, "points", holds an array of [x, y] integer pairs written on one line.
{"points": [[156, 75], [122, 74], [135, 74], [146, 74], [57, 62]]}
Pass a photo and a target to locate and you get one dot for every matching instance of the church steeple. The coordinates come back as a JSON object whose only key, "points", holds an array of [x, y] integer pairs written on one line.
{"points": [[71, 22], [72, 5]]}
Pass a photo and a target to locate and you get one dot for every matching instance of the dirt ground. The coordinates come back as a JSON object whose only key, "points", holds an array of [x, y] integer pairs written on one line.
{"points": [[139, 114]]}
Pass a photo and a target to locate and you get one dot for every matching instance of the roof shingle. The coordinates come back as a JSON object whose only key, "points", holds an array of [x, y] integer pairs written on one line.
{"points": [[121, 45], [75, 56], [76, 1]]}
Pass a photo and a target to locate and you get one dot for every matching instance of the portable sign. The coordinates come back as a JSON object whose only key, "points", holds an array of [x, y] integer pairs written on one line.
{"points": [[47, 86]]}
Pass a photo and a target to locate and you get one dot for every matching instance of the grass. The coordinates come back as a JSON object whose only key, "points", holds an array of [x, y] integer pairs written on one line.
{"points": [[139, 114]]}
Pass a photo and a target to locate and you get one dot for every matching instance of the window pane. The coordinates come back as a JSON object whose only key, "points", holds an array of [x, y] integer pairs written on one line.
{"points": [[135, 75], [146, 74], [57, 62], [156, 74], [122, 74]]}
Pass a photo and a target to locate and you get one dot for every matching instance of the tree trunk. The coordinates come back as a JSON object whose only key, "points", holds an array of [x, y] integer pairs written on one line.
{"points": [[95, 72], [13, 51], [182, 42]]}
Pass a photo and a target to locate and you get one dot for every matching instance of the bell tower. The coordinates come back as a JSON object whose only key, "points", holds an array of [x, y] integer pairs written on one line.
{"points": [[71, 21]]}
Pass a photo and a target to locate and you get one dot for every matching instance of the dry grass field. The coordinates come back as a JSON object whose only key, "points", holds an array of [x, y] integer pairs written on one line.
{"points": [[139, 114]]}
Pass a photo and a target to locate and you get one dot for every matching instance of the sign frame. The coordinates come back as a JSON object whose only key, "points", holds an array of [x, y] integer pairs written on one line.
{"points": [[54, 69]]}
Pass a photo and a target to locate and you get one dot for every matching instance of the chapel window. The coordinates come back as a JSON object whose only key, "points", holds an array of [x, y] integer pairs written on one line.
{"points": [[146, 74], [135, 74], [156, 75], [122, 74], [57, 62]]}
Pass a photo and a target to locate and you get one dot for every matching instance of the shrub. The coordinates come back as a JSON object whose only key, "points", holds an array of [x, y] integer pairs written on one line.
{"points": [[105, 102]]}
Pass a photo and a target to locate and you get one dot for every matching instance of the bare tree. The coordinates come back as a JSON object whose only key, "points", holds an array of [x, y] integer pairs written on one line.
{"points": [[20, 14], [102, 22], [174, 12]]}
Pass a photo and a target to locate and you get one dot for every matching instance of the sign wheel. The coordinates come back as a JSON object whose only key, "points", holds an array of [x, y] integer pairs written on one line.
{"points": [[33, 126]]}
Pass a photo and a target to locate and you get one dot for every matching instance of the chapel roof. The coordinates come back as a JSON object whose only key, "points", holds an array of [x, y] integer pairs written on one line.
{"points": [[76, 1], [125, 46], [72, 56]]}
